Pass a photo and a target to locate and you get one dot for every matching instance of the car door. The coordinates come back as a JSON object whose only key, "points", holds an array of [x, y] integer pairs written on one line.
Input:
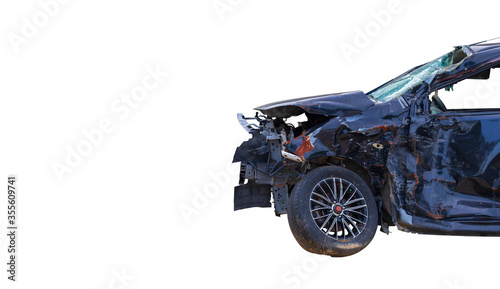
{"points": [[453, 166]]}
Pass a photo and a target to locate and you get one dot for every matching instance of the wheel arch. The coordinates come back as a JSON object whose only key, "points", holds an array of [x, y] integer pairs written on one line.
{"points": [[349, 164]]}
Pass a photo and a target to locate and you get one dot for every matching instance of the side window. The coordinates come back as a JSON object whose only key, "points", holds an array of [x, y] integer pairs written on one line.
{"points": [[482, 91]]}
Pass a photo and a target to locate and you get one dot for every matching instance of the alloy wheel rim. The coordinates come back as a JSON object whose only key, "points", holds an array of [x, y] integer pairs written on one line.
{"points": [[338, 209]]}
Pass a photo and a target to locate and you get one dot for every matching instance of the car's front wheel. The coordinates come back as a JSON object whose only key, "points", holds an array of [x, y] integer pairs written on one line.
{"points": [[332, 212]]}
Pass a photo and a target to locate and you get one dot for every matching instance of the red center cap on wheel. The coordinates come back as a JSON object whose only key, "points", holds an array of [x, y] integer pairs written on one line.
{"points": [[338, 209]]}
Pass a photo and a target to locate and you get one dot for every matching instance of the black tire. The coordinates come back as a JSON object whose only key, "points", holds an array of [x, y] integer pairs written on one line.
{"points": [[332, 237]]}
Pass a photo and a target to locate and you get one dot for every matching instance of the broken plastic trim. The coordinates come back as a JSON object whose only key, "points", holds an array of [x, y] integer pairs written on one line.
{"points": [[292, 157], [244, 123]]}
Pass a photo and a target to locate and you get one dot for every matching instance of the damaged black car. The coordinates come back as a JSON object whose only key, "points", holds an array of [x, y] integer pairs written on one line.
{"points": [[395, 156]]}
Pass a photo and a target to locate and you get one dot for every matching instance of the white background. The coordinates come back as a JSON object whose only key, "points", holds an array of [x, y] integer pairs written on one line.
{"points": [[119, 210]]}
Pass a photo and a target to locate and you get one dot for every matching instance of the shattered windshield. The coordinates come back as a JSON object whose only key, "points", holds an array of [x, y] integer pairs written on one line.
{"points": [[425, 73]]}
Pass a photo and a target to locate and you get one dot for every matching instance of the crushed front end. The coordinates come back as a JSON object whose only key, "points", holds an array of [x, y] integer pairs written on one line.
{"points": [[279, 153], [266, 167]]}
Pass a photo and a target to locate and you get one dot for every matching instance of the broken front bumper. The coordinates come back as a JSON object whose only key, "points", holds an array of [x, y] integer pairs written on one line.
{"points": [[266, 169], [257, 183]]}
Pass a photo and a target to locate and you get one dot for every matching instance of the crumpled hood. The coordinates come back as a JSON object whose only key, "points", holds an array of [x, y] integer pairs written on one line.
{"points": [[337, 104]]}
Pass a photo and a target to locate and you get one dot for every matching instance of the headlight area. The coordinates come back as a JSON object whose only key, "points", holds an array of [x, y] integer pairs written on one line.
{"points": [[266, 168]]}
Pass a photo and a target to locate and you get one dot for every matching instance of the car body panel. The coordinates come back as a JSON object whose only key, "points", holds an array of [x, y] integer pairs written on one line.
{"points": [[337, 104], [453, 165]]}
